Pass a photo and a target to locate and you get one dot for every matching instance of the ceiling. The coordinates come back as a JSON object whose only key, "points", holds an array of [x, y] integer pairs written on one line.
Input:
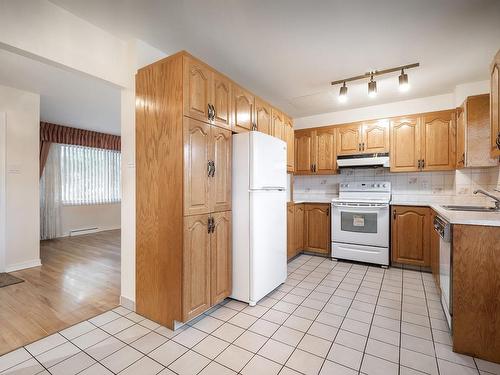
{"points": [[287, 51], [66, 97]]}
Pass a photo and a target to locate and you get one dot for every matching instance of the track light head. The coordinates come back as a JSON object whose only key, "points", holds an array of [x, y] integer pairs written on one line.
{"points": [[403, 81], [372, 88], [343, 93]]}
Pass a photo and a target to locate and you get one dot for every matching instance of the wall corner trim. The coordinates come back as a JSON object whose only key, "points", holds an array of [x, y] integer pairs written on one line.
{"points": [[127, 303]]}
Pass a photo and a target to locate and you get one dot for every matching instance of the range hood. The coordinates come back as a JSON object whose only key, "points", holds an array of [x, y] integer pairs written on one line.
{"points": [[363, 161]]}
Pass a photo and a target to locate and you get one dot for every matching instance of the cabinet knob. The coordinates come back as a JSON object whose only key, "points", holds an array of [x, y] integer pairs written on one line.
{"points": [[498, 141], [394, 214]]}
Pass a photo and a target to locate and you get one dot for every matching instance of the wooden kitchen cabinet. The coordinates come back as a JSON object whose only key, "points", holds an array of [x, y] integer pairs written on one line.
{"points": [[438, 141], [289, 138], [317, 228], [405, 145], [221, 100], [299, 227], [495, 106], [315, 151], [196, 266], [290, 228], [221, 263], [424, 142], [197, 87], [434, 250], [243, 109], [206, 190], [263, 116], [375, 137], [349, 139], [183, 189], [410, 239], [473, 133], [278, 124]]}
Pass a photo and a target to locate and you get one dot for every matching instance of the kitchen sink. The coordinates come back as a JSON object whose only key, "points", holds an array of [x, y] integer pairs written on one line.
{"points": [[470, 208]]}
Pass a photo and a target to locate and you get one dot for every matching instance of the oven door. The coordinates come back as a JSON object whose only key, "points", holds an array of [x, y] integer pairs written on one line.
{"points": [[361, 223]]}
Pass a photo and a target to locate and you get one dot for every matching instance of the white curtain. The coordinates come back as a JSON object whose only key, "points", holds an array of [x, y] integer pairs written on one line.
{"points": [[90, 175], [50, 195]]}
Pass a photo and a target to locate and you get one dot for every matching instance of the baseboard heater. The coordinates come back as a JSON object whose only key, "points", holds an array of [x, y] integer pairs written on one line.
{"points": [[77, 232]]}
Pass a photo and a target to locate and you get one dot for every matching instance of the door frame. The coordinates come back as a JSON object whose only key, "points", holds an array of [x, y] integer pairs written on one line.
{"points": [[3, 196]]}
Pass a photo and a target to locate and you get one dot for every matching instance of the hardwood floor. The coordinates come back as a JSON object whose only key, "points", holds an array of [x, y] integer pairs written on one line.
{"points": [[79, 278]]}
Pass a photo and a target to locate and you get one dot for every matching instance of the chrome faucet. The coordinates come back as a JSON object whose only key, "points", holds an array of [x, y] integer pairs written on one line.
{"points": [[496, 199]]}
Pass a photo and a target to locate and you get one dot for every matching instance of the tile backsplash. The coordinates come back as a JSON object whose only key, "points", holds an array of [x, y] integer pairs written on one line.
{"points": [[449, 183]]}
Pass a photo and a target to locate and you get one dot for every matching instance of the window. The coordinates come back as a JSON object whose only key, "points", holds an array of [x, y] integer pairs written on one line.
{"points": [[89, 175]]}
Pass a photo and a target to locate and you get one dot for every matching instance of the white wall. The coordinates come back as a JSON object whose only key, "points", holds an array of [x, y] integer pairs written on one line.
{"points": [[2, 189], [405, 107], [100, 216], [22, 229]]}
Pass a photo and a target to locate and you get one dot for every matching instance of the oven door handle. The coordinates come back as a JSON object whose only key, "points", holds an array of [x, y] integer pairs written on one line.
{"points": [[360, 205]]}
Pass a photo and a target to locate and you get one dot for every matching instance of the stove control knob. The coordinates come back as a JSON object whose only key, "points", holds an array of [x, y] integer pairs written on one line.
{"points": [[384, 185], [378, 185]]}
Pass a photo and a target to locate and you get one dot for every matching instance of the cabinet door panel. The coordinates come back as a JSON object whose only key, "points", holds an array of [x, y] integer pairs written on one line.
{"points": [[495, 106], [478, 132], [410, 235], [221, 99], [375, 137], [461, 129], [317, 228], [348, 140], [290, 227], [438, 143], [243, 103], [220, 183], [197, 89], [405, 145], [290, 143], [197, 152], [326, 160], [278, 124], [221, 257], [263, 116], [303, 152], [299, 228], [196, 266]]}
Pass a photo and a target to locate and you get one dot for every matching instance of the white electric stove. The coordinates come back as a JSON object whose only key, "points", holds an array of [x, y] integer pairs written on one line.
{"points": [[360, 222]]}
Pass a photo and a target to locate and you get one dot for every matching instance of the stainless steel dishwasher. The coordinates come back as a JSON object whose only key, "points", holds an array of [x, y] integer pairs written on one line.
{"points": [[444, 229]]}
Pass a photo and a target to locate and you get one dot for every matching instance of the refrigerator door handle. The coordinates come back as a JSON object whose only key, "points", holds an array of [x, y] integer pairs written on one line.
{"points": [[273, 188]]}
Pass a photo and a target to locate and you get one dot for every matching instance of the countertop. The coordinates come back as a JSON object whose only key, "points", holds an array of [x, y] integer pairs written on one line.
{"points": [[453, 217]]}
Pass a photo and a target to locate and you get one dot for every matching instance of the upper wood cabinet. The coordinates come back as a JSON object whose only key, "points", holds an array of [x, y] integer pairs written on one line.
{"points": [[289, 138], [278, 124], [495, 106], [304, 151], [263, 116], [315, 151], [221, 100], [375, 137], [221, 257], [405, 145], [243, 108], [198, 88], [317, 228], [410, 229], [196, 266], [438, 141], [423, 143], [207, 168], [349, 139], [473, 133]]}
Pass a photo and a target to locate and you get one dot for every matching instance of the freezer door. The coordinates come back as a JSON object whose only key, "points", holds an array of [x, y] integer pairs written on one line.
{"points": [[268, 267], [267, 162]]}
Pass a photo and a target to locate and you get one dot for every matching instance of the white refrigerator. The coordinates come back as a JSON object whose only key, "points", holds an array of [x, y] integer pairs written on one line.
{"points": [[259, 215]]}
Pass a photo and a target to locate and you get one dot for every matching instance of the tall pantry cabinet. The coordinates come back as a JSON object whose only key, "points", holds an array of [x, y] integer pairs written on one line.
{"points": [[183, 189]]}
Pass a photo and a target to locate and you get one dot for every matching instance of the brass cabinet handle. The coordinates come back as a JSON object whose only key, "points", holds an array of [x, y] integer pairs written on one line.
{"points": [[213, 168], [209, 167], [498, 141], [363, 146], [328, 211], [419, 164], [394, 214], [423, 163]]}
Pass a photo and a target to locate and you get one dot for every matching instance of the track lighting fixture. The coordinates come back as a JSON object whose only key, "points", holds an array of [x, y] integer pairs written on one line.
{"points": [[372, 84], [372, 88], [403, 81], [343, 93]]}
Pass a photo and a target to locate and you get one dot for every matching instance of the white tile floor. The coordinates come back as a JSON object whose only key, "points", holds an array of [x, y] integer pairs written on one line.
{"points": [[328, 318]]}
